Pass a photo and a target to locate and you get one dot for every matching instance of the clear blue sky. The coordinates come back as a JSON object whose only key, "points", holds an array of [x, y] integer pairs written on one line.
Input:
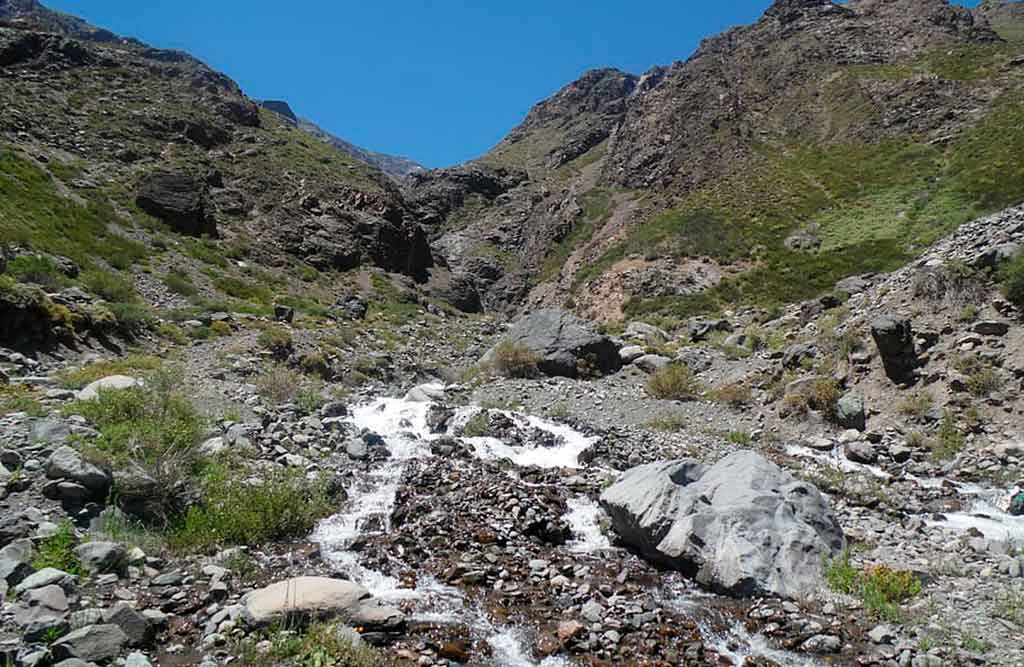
{"points": [[439, 81]]}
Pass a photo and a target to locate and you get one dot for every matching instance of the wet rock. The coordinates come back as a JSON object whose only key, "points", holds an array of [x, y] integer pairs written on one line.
{"points": [[564, 344], [426, 393], [860, 452], [822, 644], [742, 527], [94, 643], [895, 340], [66, 463], [454, 650]]}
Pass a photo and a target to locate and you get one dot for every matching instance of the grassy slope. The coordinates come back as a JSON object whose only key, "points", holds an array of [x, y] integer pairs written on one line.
{"points": [[875, 206]]}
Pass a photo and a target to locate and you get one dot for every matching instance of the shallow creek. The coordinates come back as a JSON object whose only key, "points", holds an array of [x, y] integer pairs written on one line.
{"points": [[403, 425]]}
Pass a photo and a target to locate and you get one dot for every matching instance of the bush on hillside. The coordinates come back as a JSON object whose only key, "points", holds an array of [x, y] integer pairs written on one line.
{"points": [[675, 382]]}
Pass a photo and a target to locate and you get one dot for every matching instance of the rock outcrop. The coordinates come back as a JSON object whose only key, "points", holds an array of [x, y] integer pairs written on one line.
{"points": [[741, 527], [565, 345]]}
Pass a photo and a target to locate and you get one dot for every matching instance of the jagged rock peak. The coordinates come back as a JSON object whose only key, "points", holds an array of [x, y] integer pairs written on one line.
{"points": [[596, 91], [791, 10], [281, 108]]}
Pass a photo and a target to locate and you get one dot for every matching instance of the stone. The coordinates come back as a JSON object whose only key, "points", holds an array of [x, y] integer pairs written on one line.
{"points": [[303, 597], [1017, 504], [648, 333], [630, 353], [652, 363], [882, 634], [794, 355], [48, 576], [111, 383], [860, 452], [284, 314], [137, 659], [14, 527], [14, 571], [822, 644], [102, 557], [699, 329], [22, 551], [334, 410], [51, 431], [850, 412], [177, 199], [66, 463], [742, 527], [374, 615], [565, 345], [894, 338], [134, 625], [426, 393], [44, 610], [991, 328], [93, 643]]}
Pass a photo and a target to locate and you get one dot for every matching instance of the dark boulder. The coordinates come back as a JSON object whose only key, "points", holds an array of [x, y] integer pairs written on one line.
{"points": [[564, 344], [895, 340], [177, 199]]}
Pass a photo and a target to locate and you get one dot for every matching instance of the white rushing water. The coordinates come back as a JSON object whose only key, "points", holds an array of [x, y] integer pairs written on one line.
{"points": [[404, 428], [565, 455], [987, 512], [986, 508], [584, 518]]}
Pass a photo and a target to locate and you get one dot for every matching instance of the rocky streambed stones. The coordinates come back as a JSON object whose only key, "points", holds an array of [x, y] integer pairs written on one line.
{"points": [[742, 527], [318, 597]]}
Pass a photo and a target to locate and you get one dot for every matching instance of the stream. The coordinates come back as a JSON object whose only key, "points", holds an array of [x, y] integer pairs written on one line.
{"points": [[403, 425]]}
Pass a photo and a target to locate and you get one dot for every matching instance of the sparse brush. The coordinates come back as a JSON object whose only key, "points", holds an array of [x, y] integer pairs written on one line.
{"points": [[675, 382], [515, 360]]}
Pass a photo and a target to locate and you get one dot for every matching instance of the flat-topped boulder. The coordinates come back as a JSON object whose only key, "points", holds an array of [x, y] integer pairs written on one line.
{"points": [[564, 345], [307, 598]]}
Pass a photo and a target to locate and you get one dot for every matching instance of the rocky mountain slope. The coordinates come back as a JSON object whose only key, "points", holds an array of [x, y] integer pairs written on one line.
{"points": [[393, 165], [250, 413], [821, 140]]}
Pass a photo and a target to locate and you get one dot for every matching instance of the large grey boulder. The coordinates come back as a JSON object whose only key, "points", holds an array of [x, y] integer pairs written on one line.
{"points": [[742, 527], [895, 340], [563, 343], [66, 463], [850, 412], [110, 383], [304, 598], [93, 643], [177, 199], [43, 611]]}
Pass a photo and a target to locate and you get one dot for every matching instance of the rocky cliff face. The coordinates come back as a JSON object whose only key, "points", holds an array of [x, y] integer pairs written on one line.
{"points": [[102, 115], [816, 140]]}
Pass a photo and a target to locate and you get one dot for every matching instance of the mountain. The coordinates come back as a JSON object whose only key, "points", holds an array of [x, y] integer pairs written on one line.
{"points": [[821, 141], [396, 166]]}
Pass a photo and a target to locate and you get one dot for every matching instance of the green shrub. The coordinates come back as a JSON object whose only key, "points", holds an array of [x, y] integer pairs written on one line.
{"points": [[917, 404], [309, 401], [131, 365], [242, 289], [675, 382], [880, 588], [478, 426], [321, 645], [515, 360], [735, 395], [152, 425], [58, 551], [109, 286], [37, 269], [822, 395], [278, 384], [220, 328], [281, 505], [669, 423], [180, 283], [132, 317], [741, 438], [277, 340], [948, 441], [1011, 275]]}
